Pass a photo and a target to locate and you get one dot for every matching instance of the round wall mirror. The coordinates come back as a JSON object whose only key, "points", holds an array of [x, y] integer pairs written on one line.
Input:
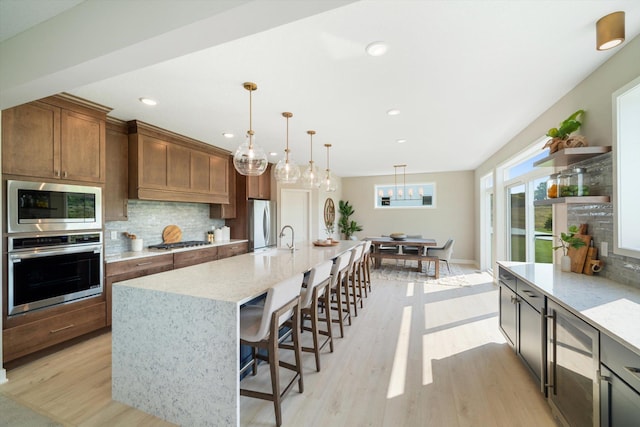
{"points": [[329, 213]]}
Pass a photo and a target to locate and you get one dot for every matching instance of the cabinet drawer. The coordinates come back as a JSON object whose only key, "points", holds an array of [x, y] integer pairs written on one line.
{"points": [[531, 295], [140, 265], [196, 256], [624, 362], [232, 250], [34, 336], [507, 278]]}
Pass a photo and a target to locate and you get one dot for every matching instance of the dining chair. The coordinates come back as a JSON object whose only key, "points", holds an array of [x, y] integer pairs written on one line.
{"points": [[443, 253], [260, 327]]}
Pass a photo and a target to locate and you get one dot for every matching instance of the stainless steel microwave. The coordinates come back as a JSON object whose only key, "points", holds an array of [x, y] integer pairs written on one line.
{"points": [[39, 206]]}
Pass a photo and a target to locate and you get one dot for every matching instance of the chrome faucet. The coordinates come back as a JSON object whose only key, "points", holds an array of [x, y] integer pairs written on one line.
{"points": [[292, 245]]}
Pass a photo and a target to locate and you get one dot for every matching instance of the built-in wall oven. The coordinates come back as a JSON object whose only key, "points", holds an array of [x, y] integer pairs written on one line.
{"points": [[44, 270]]}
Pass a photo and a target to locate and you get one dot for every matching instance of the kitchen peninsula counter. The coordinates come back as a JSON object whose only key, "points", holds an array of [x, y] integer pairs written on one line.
{"points": [[175, 335]]}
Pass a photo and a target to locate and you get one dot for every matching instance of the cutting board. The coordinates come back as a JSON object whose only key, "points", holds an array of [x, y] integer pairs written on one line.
{"points": [[171, 234], [592, 253], [579, 256]]}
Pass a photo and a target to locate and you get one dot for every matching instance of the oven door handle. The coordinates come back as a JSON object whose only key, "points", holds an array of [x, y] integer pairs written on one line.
{"points": [[18, 256]]}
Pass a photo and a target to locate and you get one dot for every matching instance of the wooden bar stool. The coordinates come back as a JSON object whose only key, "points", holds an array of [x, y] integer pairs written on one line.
{"points": [[339, 274], [260, 327], [355, 277], [317, 289], [366, 271]]}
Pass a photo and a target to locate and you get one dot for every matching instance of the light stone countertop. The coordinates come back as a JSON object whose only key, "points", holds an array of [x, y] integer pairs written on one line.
{"points": [[146, 252], [240, 278], [609, 306]]}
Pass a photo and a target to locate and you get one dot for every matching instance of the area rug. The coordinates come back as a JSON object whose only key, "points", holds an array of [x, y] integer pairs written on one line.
{"points": [[397, 270], [13, 414]]}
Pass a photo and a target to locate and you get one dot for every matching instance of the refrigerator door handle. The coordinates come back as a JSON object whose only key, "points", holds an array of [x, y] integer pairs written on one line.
{"points": [[266, 227]]}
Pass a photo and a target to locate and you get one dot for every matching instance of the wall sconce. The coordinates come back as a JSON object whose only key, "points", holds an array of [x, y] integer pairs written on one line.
{"points": [[610, 31]]}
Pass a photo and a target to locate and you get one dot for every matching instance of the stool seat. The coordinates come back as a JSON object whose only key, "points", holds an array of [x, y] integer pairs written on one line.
{"points": [[250, 317]]}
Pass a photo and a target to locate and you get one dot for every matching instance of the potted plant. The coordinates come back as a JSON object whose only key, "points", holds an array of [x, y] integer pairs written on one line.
{"points": [[329, 228], [568, 240], [561, 136], [345, 225]]}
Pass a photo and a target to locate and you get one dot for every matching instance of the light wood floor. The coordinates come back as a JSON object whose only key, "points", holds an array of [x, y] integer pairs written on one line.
{"points": [[415, 356]]}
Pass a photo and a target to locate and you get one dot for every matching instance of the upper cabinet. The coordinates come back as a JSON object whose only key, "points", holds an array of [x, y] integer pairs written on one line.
{"points": [[116, 193], [171, 167], [259, 187], [226, 210], [60, 137]]}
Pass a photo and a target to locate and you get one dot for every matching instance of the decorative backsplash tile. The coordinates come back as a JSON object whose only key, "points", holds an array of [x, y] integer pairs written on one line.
{"points": [[599, 217], [147, 219]]}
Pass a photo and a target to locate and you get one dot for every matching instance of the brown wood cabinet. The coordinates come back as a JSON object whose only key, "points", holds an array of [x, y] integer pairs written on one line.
{"points": [[117, 174], [171, 167], [60, 137], [233, 249], [36, 335], [187, 258], [227, 210], [259, 187]]}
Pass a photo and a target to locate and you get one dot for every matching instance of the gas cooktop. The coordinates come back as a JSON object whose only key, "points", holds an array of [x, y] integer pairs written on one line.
{"points": [[178, 245]]}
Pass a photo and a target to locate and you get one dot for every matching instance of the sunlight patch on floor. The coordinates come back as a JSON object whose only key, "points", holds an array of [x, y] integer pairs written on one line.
{"points": [[439, 345], [399, 368], [410, 286]]}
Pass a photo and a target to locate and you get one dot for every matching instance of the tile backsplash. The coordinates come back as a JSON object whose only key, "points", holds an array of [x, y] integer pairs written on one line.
{"points": [[147, 219], [599, 217]]}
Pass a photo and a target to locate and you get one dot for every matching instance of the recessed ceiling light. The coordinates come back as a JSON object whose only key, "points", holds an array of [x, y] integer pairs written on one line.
{"points": [[393, 112], [273, 153], [227, 134], [401, 141], [148, 101], [377, 48]]}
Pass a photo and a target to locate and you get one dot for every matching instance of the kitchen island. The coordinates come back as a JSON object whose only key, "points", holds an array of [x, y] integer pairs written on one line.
{"points": [[175, 335]]}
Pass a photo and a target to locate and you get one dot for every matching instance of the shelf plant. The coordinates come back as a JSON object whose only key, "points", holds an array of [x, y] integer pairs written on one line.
{"points": [[568, 240], [561, 136]]}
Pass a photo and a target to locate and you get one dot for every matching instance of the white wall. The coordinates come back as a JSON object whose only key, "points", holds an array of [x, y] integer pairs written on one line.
{"points": [[593, 95], [452, 216]]}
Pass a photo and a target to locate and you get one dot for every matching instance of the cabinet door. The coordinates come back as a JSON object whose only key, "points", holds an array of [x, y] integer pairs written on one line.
{"points": [[117, 175], [530, 342], [200, 172], [573, 354], [82, 147], [508, 314], [153, 163], [227, 210], [178, 167], [31, 140], [219, 177], [619, 403]]}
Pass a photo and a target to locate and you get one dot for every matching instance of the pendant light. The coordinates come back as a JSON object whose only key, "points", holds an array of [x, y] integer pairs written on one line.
{"points": [[287, 172], [310, 178], [249, 159], [329, 182]]}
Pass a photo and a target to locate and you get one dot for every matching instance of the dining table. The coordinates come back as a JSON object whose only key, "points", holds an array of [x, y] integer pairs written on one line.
{"points": [[378, 243]]}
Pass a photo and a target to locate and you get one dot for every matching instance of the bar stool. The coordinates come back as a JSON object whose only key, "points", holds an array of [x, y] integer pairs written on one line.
{"points": [[366, 271], [339, 273], [354, 275], [260, 327], [318, 285]]}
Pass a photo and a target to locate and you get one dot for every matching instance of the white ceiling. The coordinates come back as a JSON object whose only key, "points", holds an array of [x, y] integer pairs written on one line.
{"points": [[467, 76]]}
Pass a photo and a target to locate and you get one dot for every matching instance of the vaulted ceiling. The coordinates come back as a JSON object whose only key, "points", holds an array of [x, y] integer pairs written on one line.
{"points": [[466, 76]]}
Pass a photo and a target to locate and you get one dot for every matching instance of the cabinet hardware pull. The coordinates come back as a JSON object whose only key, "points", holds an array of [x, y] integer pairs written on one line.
{"points": [[56, 173], [64, 174], [53, 331], [144, 263], [632, 370], [605, 378]]}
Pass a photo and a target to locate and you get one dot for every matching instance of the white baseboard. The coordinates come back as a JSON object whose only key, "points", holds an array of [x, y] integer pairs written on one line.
{"points": [[465, 261], [3, 376]]}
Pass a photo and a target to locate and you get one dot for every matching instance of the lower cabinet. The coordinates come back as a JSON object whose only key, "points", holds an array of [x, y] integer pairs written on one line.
{"points": [[234, 249], [508, 314], [573, 352], [187, 258], [619, 384], [32, 336]]}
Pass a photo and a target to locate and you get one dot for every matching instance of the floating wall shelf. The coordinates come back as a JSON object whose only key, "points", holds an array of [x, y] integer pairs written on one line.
{"points": [[568, 156], [573, 200]]}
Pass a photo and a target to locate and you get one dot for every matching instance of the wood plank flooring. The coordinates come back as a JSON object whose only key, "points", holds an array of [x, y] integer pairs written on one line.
{"points": [[416, 355]]}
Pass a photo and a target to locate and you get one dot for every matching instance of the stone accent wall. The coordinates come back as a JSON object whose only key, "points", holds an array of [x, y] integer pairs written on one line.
{"points": [[147, 219], [599, 217]]}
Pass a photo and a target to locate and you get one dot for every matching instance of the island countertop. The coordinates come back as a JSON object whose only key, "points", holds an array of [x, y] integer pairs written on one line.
{"points": [[609, 306], [240, 278]]}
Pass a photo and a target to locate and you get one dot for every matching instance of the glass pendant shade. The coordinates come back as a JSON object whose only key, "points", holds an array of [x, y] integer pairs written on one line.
{"points": [[286, 171], [250, 159], [310, 176], [328, 181]]}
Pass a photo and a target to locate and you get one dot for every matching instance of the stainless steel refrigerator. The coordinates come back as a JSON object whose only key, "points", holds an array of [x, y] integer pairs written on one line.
{"points": [[262, 224]]}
